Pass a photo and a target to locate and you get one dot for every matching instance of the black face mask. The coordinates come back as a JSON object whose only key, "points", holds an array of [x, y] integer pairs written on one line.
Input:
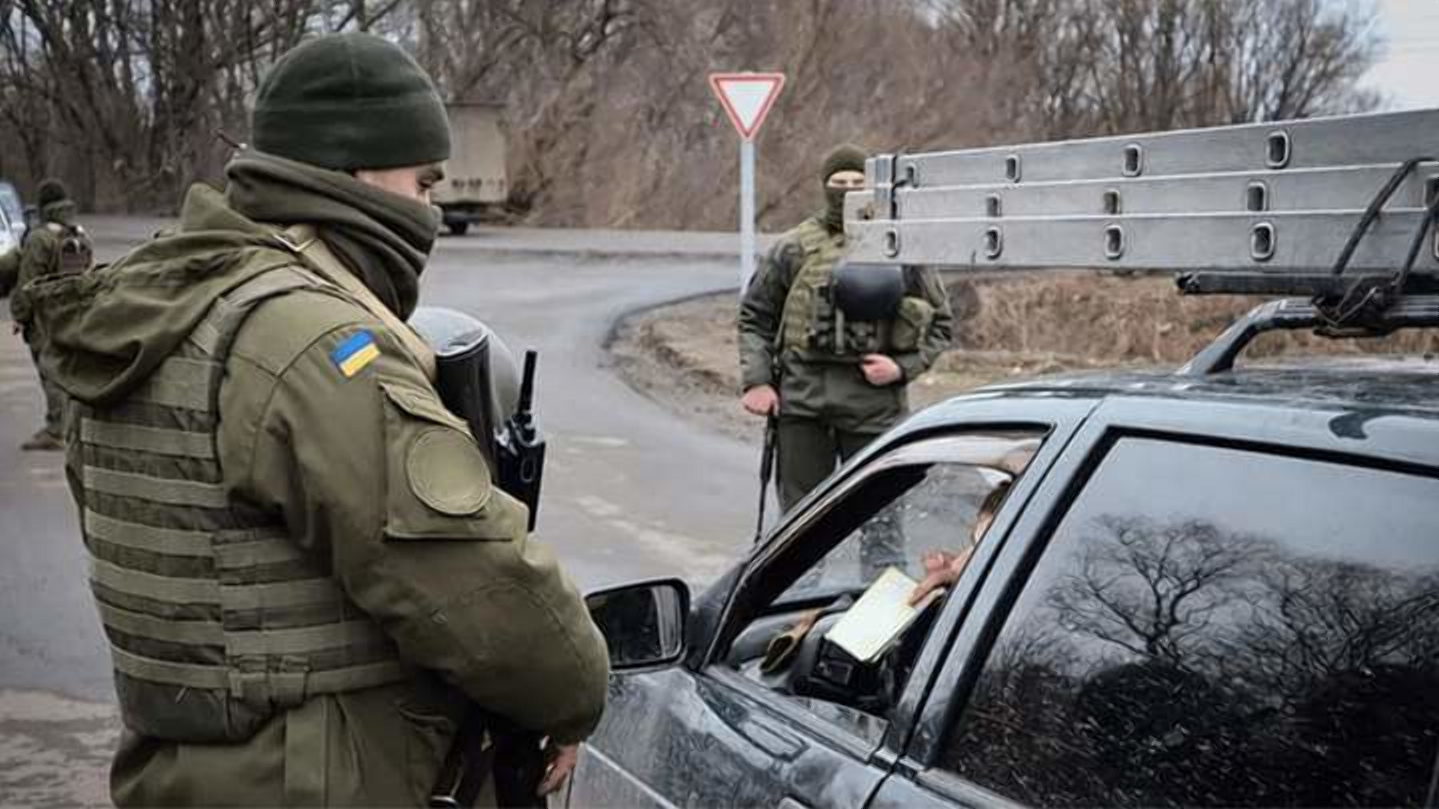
{"points": [[834, 208]]}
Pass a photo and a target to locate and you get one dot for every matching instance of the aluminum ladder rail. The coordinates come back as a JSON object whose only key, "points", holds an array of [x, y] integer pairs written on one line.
{"points": [[1273, 200]]}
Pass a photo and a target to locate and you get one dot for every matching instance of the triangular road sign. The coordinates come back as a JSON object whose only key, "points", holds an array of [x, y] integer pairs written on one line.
{"points": [[747, 98]]}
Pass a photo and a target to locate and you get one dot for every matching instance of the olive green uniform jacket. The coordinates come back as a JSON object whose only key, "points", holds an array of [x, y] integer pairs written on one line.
{"points": [[815, 386], [38, 258], [375, 480]]}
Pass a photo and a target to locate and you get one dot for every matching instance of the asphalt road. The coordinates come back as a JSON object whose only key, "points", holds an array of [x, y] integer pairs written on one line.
{"points": [[632, 490]]}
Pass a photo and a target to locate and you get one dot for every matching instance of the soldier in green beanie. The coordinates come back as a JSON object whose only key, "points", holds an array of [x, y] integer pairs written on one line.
{"points": [[304, 572], [833, 382], [55, 244]]}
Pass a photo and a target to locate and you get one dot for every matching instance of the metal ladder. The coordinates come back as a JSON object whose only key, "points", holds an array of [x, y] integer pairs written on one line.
{"points": [[1329, 208], [1279, 198]]}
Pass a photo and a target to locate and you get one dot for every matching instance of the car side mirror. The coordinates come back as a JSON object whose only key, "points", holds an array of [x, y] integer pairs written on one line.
{"points": [[643, 624]]}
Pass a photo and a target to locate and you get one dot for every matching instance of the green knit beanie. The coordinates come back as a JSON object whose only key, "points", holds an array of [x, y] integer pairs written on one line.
{"points": [[49, 192], [350, 101], [845, 157]]}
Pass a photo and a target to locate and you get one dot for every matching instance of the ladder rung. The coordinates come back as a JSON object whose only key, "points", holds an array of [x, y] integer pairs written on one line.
{"points": [[1275, 241], [1341, 188], [1342, 140]]}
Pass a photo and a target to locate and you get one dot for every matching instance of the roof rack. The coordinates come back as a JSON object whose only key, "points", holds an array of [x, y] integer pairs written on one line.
{"points": [[1340, 210]]}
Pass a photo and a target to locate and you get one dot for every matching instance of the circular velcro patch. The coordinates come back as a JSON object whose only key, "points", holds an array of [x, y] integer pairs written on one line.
{"points": [[447, 472]]}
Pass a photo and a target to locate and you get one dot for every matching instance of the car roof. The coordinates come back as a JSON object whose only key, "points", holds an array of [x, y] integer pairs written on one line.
{"points": [[1393, 383]]}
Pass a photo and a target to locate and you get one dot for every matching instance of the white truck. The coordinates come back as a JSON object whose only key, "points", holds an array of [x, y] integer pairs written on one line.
{"points": [[475, 179]]}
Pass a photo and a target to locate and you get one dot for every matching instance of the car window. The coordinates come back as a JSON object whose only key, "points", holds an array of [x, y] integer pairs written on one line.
{"points": [[937, 511], [1219, 627], [8, 241], [889, 520], [10, 201]]}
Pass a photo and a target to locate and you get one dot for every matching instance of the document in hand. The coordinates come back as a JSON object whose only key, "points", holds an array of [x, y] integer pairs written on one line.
{"points": [[880, 616]]}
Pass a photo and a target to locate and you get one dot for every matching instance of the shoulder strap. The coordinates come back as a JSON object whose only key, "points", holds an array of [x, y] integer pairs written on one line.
{"points": [[216, 332]]}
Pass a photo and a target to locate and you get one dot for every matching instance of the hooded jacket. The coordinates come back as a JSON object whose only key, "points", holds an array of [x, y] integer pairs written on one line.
{"points": [[376, 482]]}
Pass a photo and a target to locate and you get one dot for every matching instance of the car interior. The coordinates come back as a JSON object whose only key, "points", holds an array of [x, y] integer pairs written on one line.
{"points": [[940, 501]]}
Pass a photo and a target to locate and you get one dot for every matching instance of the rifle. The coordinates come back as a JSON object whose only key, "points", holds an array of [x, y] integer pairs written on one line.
{"points": [[486, 744], [766, 469]]}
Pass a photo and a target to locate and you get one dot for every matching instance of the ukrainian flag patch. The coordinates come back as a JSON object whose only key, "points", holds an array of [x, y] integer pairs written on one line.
{"points": [[355, 353]]}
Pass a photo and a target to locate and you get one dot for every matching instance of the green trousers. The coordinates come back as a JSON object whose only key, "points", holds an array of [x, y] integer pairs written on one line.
{"points": [[54, 397], [809, 450]]}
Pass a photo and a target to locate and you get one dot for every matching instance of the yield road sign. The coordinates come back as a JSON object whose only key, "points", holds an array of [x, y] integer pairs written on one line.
{"points": [[747, 98]]}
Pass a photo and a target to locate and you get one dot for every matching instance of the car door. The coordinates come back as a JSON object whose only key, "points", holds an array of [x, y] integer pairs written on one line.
{"points": [[1216, 605], [712, 733]]}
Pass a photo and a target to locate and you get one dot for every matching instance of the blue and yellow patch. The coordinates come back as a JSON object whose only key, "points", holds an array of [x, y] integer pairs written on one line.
{"points": [[355, 353]]}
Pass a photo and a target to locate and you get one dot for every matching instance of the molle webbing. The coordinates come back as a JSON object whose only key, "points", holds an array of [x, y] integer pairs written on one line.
{"points": [[820, 251], [216, 618], [810, 322]]}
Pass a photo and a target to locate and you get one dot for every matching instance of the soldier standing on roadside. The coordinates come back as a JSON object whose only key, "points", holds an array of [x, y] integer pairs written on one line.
{"points": [[834, 382], [304, 572], [55, 244]]}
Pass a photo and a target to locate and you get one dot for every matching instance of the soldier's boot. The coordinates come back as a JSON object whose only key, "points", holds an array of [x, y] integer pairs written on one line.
{"points": [[44, 441]]}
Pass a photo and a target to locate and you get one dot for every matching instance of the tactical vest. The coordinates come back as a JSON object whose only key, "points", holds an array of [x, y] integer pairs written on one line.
{"points": [[217, 621], [810, 322]]}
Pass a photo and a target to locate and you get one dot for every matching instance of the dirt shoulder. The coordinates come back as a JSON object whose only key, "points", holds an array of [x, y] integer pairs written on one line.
{"points": [[1010, 326]]}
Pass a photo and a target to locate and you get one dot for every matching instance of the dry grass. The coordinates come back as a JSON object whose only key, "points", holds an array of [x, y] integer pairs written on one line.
{"points": [[1087, 319]]}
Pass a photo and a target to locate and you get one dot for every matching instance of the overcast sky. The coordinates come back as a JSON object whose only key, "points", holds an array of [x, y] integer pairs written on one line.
{"points": [[1408, 73]]}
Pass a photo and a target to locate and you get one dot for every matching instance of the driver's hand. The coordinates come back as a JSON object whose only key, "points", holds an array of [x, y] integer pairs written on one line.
{"points": [[941, 569], [562, 763], [761, 400]]}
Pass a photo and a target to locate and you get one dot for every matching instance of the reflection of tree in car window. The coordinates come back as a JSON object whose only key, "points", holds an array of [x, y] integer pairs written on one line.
{"points": [[1219, 642]]}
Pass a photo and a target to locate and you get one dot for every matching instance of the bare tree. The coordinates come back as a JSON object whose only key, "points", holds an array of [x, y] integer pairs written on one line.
{"points": [[609, 116], [1109, 66]]}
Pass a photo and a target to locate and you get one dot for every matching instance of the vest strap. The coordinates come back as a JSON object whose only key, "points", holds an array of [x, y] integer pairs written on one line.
{"points": [[222, 322], [178, 382], [147, 439], [200, 633], [304, 639], [172, 541], [168, 589], [185, 675], [158, 490]]}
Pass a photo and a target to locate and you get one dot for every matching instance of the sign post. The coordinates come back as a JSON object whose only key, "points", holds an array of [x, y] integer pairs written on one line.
{"points": [[747, 99]]}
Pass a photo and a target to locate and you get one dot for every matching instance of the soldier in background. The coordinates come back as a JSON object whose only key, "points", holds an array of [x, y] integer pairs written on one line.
{"points": [[305, 574], [55, 244], [834, 383]]}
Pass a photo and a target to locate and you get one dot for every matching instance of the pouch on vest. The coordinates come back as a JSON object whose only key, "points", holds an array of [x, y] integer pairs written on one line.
{"points": [[911, 323]]}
